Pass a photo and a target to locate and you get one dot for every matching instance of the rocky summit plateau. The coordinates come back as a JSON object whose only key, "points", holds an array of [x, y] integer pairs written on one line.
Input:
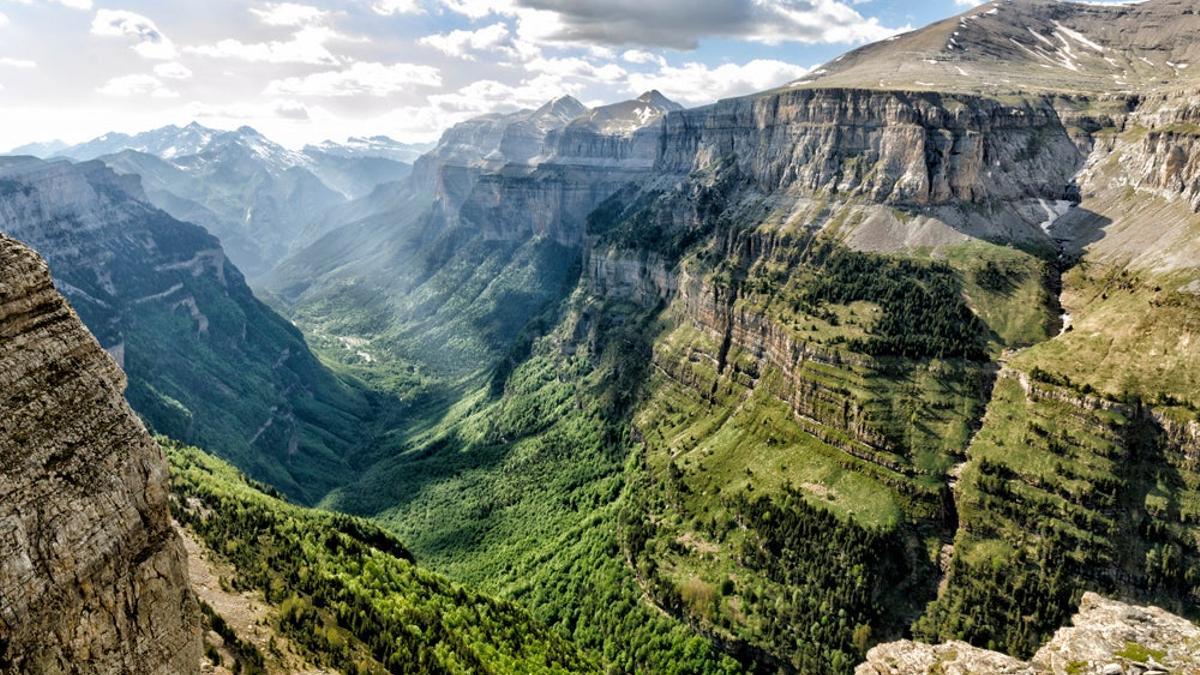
{"points": [[889, 369]]}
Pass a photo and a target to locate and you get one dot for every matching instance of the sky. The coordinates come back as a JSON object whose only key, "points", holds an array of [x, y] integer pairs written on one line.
{"points": [[311, 70]]}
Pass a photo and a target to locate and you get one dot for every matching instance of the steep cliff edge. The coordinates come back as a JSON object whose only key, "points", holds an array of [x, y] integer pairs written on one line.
{"points": [[1106, 636], [92, 575]]}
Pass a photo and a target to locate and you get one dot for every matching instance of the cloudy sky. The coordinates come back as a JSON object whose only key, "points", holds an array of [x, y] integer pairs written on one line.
{"points": [[312, 69]]}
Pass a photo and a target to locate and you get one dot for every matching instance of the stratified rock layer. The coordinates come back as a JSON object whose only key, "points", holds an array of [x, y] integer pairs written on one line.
{"points": [[1107, 637], [92, 574]]}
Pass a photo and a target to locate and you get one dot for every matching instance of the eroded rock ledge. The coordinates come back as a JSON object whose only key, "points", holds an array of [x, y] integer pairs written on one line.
{"points": [[1107, 638], [92, 575]]}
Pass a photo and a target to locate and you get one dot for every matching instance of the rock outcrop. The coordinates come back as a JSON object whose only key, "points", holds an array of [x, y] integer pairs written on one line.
{"points": [[93, 576], [1107, 638]]}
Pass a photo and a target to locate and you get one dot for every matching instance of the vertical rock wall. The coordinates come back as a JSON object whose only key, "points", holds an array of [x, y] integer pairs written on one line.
{"points": [[92, 574]]}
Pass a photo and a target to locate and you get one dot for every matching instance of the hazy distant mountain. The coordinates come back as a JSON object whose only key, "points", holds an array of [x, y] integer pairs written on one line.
{"points": [[372, 146], [257, 196], [354, 175], [46, 149], [627, 116], [166, 142], [500, 138]]}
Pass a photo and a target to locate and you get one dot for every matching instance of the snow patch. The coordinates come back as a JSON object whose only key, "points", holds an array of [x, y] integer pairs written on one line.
{"points": [[1039, 36], [1065, 317], [1078, 37], [1054, 212]]}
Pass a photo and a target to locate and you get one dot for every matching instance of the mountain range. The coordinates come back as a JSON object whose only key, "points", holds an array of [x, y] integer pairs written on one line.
{"points": [[257, 196], [889, 369]]}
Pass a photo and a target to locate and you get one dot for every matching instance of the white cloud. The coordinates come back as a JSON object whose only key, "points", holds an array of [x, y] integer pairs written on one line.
{"points": [[388, 7], [290, 14], [461, 43], [696, 83], [278, 109], [680, 24], [73, 4], [306, 45], [9, 62], [3, 20], [151, 43], [576, 67], [360, 79], [484, 96], [135, 85], [641, 56], [173, 70], [969, 3], [477, 9]]}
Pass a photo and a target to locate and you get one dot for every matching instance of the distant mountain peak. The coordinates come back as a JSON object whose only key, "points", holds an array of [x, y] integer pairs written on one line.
{"points": [[249, 132], [564, 107], [379, 146], [626, 117], [656, 97]]}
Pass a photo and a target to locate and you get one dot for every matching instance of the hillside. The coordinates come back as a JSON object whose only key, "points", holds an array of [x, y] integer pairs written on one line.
{"points": [[857, 305], [337, 592], [891, 369], [1036, 47]]}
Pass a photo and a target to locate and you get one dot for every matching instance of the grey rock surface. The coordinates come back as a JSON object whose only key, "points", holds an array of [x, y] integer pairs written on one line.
{"points": [[92, 574], [1107, 637]]}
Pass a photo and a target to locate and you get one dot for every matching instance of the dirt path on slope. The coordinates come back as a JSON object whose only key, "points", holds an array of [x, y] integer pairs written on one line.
{"points": [[250, 617]]}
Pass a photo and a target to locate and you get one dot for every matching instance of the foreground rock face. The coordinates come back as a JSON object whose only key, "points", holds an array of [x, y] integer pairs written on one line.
{"points": [[92, 575], [1107, 638]]}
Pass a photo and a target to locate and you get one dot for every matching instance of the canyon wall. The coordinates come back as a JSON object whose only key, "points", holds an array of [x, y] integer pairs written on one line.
{"points": [[92, 574]]}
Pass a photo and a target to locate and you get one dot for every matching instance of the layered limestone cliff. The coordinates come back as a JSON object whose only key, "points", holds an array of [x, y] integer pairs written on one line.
{"points": [[93, 576], [1106, 637], [891, 147], [577, 166]]}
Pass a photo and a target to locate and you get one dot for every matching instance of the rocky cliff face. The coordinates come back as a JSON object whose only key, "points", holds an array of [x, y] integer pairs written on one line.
{"points": [[1106, 637], [893, 147], [92, 574]]}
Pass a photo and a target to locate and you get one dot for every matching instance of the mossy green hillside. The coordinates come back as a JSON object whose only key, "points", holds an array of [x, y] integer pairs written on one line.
{"points": [[348, 592]]}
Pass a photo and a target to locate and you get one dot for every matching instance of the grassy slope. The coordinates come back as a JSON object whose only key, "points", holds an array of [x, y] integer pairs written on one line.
{"points": [[1083, 475], [349, 593], [517, 488], [714, 439], [608, 468], [528, 486]]}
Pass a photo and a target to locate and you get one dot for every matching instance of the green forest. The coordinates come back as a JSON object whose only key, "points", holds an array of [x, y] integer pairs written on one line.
{"points": [[350, 593]]}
